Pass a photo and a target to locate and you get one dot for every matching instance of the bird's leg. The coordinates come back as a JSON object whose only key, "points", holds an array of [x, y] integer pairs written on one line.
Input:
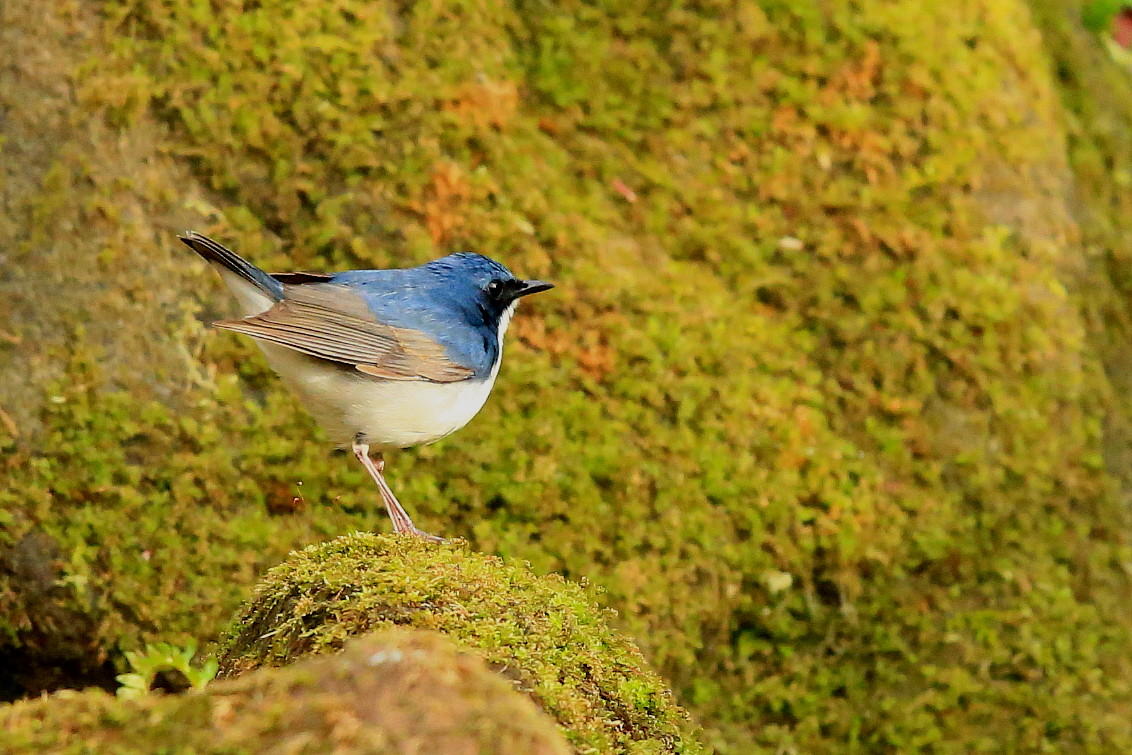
{"points": [[401, 521]]}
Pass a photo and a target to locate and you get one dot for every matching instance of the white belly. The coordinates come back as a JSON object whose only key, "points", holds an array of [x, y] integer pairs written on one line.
{"points": [[391, 413]]}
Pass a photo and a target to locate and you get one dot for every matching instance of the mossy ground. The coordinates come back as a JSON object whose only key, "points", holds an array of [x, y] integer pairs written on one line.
{"points": [[817, 400], [542, 632], [384, 695]]}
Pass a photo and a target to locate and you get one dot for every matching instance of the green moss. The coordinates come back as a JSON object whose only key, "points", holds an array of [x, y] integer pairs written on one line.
{"points": [[823, 404], [383, 695], [542, 632], [166, 529], [1096, 93]]}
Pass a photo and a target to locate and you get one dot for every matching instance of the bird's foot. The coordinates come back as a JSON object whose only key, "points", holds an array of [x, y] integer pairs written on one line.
{"points": [[417, 532]]}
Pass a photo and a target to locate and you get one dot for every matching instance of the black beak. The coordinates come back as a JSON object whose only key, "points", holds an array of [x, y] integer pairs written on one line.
{"points": [[530, 287]]}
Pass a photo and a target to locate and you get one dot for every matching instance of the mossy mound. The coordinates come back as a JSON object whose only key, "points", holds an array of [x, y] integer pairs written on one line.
{"points": [[397, 693], [543, 632]]}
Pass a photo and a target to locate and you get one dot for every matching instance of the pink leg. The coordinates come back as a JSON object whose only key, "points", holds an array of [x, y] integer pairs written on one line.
{"points": [[401, 522]]}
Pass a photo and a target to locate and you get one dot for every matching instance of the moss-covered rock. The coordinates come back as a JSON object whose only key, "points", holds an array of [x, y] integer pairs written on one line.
{"points": [[822, 400], [396, 693], [87, 209], [1096, 94], [544, 633]]}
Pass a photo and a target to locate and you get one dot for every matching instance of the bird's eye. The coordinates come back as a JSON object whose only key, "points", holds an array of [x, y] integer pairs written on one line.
{"points": [[494, 289]]}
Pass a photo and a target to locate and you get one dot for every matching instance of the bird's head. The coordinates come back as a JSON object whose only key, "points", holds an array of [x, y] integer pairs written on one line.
{"points": [[492, 286]]}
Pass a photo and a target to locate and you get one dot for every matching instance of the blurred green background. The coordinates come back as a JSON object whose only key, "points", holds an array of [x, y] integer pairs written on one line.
{"points": [[832, 398]]}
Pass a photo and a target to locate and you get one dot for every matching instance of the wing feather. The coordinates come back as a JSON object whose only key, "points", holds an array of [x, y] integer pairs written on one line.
{"points": [[331, 322]]}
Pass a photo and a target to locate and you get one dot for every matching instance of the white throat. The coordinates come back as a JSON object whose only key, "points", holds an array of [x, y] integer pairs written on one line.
{"points": [[505, 320]]}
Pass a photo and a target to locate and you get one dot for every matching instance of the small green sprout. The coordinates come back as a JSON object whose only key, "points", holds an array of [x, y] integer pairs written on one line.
{"points": [[1097, 15], [161, 657]]}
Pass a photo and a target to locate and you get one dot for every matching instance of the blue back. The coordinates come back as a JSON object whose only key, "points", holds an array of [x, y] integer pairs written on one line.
{"points": [[444, 299]]}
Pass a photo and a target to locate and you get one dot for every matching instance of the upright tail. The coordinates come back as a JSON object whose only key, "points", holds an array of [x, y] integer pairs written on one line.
{"points": [[231, 264]]}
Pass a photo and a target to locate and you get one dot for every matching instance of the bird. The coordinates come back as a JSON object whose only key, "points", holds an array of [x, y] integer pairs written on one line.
{"points": [[382, 359]]}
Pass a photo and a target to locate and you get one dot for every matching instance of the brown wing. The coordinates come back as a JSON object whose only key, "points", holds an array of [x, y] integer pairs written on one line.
{"points": [[331, 322]]}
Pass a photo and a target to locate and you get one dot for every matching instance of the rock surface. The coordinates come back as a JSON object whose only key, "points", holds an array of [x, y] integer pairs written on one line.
{"points": [[395, 693]]}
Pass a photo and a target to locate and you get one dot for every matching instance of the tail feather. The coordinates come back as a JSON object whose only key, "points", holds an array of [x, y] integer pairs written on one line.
{"points": [[232, 262]]}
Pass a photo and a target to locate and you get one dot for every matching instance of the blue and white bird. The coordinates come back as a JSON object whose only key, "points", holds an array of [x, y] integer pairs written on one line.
{"points": [[381, 358]]}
